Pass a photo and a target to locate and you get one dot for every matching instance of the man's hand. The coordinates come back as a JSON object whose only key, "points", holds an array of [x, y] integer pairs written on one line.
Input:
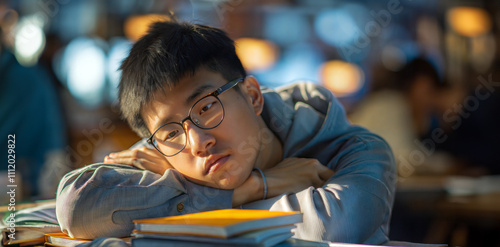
{"points": [[289, 176], [143, 158]]}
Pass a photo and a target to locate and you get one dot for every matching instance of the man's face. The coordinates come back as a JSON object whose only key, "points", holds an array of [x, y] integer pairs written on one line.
{"points": [[222, 157]]}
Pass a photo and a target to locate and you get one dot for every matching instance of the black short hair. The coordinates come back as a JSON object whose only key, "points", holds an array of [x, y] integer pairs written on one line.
{"points": [[168, 52]]}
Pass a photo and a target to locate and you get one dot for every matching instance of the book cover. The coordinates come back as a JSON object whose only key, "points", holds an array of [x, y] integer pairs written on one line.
{"points": [[155, 242], [218, 223], [259, 237]]}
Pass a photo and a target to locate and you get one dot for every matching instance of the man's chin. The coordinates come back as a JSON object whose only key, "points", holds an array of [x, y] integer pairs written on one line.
{"points": [[229, 179], [226, 185], [223, 182], [231, 176]]}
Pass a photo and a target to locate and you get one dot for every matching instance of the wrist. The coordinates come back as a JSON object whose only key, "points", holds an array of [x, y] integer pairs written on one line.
{"points": [[251, 190], [264, 182]]}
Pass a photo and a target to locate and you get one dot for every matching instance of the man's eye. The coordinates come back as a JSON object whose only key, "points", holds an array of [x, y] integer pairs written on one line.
{"points": [[206, 107], [172, 135]]}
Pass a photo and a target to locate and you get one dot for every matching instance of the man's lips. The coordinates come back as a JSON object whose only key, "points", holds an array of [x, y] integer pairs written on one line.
{"points": [[214, 163]]}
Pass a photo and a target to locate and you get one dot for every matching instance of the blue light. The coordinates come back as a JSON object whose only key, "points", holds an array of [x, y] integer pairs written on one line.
{"points": [[286, 27], [83, 70], [299, 62], [336, 27]]}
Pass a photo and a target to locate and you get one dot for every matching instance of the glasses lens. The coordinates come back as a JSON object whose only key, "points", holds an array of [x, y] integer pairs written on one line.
{"points": [[207, 113], [170, 139]]}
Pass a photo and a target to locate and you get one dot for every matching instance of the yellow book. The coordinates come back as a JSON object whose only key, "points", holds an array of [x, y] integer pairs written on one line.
{"points": [[223, 223]]}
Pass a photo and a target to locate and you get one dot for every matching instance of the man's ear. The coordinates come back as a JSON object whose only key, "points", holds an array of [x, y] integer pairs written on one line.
{"points": [[253, 94]]}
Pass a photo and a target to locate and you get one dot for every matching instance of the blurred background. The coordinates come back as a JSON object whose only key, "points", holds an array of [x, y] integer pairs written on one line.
{"points": [[423, 74]]}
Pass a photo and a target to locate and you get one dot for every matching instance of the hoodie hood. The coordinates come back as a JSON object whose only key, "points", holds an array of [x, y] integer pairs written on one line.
{"points": [[303, 115]]}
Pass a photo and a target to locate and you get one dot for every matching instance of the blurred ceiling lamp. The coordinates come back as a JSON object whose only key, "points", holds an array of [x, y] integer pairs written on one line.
{"points": [[256, 54], [137, 26], [83, 69], [469, 21], [29, 41], [342, 78]]}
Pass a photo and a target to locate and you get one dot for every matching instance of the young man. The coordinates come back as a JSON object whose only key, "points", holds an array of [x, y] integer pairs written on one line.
{"points": [[185, 91]]}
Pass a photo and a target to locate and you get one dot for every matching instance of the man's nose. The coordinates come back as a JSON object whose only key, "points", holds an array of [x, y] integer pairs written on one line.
{"points": [[200, 140]]}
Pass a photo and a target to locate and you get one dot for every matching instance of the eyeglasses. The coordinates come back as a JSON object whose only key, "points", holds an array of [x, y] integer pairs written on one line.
{"points": [[207, 113]]}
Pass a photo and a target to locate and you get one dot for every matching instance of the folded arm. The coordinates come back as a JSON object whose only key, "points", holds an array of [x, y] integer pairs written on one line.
{"points": [[101, 200]]}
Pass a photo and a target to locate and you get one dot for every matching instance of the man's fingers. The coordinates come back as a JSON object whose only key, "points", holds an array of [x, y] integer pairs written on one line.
{"points": [[123, 161], [139, 163], [133, 153], [145, 164], [142, 153], [325, 173], [142, 159], [122, 154]]}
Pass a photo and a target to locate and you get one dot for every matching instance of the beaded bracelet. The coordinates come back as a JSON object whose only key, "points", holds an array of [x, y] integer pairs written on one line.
{"points": [[265, 184]]}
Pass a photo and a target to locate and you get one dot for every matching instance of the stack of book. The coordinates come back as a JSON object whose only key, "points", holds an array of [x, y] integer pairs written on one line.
{"points": [[227, 227], [30, 224], [28, 235]]}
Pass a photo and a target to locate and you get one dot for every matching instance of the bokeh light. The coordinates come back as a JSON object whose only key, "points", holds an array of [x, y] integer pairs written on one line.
{"points": [[469, 21], [136, 26], [343, 25], [256, 54], [336, 27], [29, 41], [298, 62], [83, 69], [286, 27], [342, 78]]}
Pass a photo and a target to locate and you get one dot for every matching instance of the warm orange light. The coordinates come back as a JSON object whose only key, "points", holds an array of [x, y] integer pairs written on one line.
{"points": [[256, 54], [469, 21], [342, 78], [137, 26]]}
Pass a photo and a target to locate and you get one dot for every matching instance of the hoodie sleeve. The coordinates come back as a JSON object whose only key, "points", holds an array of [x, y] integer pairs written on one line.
{"points": [[354, 206], [102, 200]]}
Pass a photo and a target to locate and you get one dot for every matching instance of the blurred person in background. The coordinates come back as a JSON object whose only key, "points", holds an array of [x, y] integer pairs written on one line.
{"points": [[30, 110], [471, 120], [402, 113]]}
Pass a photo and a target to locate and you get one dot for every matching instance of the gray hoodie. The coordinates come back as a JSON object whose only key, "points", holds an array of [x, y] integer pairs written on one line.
{"points": [[354, 205]]}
